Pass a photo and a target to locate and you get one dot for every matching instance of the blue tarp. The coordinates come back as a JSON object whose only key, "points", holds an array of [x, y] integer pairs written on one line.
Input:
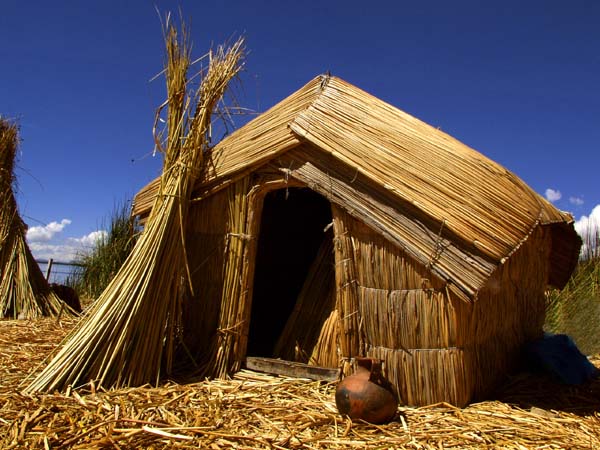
{"points": [[557, 355]]}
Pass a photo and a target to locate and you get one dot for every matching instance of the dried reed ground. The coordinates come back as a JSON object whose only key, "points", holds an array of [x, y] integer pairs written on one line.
{"points": [[260, 411]]}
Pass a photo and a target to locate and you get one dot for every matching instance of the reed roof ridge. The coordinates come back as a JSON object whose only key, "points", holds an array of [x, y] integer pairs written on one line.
{"points": [[323, 80]]}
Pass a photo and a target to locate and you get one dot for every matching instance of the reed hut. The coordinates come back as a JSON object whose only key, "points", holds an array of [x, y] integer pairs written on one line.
{"points": [[335, 225]]}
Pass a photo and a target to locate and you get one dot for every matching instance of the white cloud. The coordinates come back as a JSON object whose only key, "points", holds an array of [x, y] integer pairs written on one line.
{"points": [[589, 223], [577, 201], [46, 242], [553, 195], [588, 228], [90, 240], [57, 252], [46, 233]]}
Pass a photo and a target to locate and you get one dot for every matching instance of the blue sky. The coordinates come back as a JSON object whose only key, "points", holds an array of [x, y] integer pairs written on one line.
{"points": [[516, 80]]}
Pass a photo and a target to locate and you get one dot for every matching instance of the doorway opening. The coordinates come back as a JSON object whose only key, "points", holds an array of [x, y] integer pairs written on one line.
{"points": [[292, 230]]}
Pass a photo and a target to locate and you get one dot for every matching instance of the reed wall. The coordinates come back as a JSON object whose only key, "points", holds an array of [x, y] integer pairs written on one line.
{"points": [[351, 336], [510, 311], [436, 346], [206, 240]]}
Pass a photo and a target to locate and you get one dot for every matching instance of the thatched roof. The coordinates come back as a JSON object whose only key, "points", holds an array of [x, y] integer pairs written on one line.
{"points": [[447, 199]]}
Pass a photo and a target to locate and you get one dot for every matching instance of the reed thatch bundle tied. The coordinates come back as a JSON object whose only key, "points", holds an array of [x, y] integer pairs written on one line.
{"points": [[24, 292], [129, 337]]}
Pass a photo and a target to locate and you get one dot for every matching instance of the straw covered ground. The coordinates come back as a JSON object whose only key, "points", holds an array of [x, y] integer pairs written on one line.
{"points": [[259, 411]]}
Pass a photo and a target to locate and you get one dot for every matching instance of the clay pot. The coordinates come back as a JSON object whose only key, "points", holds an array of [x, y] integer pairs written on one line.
{"points": [[366, 394]]}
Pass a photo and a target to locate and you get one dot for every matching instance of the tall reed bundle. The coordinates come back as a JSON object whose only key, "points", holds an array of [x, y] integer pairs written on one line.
{"points": [[130, 336], [24, 291]]}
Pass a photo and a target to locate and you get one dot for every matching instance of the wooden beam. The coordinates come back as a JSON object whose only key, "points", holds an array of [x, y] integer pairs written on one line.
{"points": [[291, 369]]}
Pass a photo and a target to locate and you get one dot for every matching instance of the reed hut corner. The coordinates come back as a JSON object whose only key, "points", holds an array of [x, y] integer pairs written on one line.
{"points": [[335, 225]]}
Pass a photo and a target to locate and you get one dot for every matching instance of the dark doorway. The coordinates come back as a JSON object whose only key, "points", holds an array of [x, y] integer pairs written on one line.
{"points": [[291, 232]]}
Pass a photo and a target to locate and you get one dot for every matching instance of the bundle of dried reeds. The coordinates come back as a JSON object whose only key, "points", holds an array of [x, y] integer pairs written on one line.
{"points": [[24, 292], [352, 338], [227, 348], [130, 336]]}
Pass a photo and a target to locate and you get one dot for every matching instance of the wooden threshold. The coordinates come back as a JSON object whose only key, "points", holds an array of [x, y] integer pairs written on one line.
{"points": [[291, 369]]}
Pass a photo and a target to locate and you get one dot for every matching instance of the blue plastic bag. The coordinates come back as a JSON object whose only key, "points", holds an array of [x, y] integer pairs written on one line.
{"points": [[558, 355]]}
